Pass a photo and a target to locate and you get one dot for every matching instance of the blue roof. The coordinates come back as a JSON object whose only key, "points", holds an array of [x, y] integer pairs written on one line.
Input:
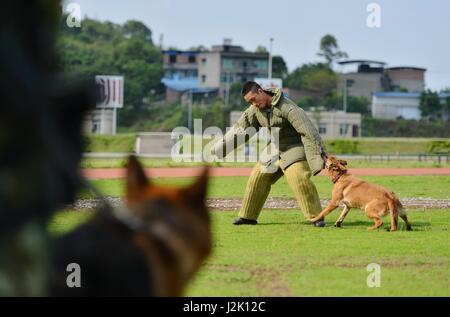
{"points": [[395, 94], [180, 84], [176, 52], [186, 84]]}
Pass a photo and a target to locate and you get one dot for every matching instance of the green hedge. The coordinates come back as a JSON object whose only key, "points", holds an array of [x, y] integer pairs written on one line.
{"points": [[404, 128], [342, 146], [110, 143], [438, 146]]}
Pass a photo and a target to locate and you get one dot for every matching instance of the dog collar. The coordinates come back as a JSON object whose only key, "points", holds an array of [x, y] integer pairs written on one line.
{"points": [[158, 230], [336, 177]]}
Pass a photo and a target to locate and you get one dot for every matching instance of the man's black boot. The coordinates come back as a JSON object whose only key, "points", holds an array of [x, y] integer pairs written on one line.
{"points": [[319, 223], [243, 221]]}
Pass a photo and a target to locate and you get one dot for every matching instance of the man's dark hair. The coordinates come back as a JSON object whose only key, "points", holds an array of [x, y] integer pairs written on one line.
{"points": [[250, 86]]}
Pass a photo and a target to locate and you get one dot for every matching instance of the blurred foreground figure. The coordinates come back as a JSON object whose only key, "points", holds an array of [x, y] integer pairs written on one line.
{"points": [[40, 141], [152, 246]]}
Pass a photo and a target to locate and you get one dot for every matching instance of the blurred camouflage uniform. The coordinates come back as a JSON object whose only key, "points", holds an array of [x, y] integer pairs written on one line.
{"points": [[40, 141]]}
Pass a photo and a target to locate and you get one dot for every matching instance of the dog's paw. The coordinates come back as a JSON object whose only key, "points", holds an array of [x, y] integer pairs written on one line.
{"points": [[337, 224]]}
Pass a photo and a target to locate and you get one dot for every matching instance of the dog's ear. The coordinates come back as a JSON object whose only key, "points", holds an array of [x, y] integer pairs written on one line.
{"points": [[343, 162], [136, 179], [196, 193]]}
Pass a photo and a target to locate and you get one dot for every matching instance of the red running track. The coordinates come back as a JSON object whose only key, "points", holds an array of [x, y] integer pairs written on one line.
{"points": [[109, 173]]}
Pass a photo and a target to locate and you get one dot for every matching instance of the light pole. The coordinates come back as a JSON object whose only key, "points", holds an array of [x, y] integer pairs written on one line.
{"points": [[190, 110], [270, 62], [227, 91], [345, 95], [347, 83]]}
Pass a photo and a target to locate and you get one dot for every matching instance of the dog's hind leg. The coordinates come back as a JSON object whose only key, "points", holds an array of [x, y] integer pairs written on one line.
{"points": [[394, 221], [394, 215], [404, 215], [378, 223], [372, 212], [342, 216], [408, 224]]}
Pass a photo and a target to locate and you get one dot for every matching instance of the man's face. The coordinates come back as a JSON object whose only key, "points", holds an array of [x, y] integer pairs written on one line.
{"points": [[257, 99]]}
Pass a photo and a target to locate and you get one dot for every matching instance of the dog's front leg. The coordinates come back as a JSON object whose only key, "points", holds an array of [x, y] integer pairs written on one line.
{"points": [[332, 206], [342, 216]]}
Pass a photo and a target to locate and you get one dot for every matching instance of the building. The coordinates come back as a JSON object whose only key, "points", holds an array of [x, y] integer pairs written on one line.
{"points": [[181, 78], [411, 79], [330, 124], [394, 105], [210, 73], [372, 76], [99, 121], [368, 78], [336, 124], [227, 64], [180, 64]]}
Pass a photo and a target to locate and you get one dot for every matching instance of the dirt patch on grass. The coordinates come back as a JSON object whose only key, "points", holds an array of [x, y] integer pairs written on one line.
{"points": [[271, 203], [268, 281]]}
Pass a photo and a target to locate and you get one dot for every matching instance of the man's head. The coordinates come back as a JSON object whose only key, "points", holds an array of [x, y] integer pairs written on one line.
{"points": [[255, 95]]}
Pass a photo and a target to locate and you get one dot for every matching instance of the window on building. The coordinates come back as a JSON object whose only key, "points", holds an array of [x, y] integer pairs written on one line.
{"points": [[355, 131], [343, 129], [227, 77], [322, 128], [95, 128], [227, 63], [203, 78], [261, 64], [191, 59], [172, 59], [203, 61], [191, 73], [167, 74]]}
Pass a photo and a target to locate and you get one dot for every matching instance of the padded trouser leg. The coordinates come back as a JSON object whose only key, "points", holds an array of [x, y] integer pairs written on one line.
{"points": [[298, 176], [258, 188]]}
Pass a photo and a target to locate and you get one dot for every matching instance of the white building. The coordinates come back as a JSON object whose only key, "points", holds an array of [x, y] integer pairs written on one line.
{"points": [[330, 124], [99, 121], [391, 105], [336, 124]]}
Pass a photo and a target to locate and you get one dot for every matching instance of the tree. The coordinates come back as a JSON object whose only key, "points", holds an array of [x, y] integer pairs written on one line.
{"points": [[334, 101], [111, 49], [199, 48], [329, 49], [317, 79], [279, 67], [133, 28], [261, 49], [429, 105]]}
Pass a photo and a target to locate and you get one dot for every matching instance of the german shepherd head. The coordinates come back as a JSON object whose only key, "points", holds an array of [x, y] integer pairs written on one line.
{"points": [[152, 246]]}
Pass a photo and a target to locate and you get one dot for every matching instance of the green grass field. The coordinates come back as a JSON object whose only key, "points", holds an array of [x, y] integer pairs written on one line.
{"points": [[234, 187], [88, 162], [285, 256]]}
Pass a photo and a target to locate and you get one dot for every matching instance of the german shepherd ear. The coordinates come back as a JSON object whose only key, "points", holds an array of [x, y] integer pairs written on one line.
{"points": [[196, 193], [136, 179]]}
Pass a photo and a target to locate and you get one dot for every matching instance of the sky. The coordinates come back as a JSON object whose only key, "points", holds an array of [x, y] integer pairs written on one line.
{"points": [[411, 32]]}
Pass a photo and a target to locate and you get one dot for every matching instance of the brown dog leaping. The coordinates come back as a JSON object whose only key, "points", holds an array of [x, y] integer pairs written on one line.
{"points": [[375, 200]]}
